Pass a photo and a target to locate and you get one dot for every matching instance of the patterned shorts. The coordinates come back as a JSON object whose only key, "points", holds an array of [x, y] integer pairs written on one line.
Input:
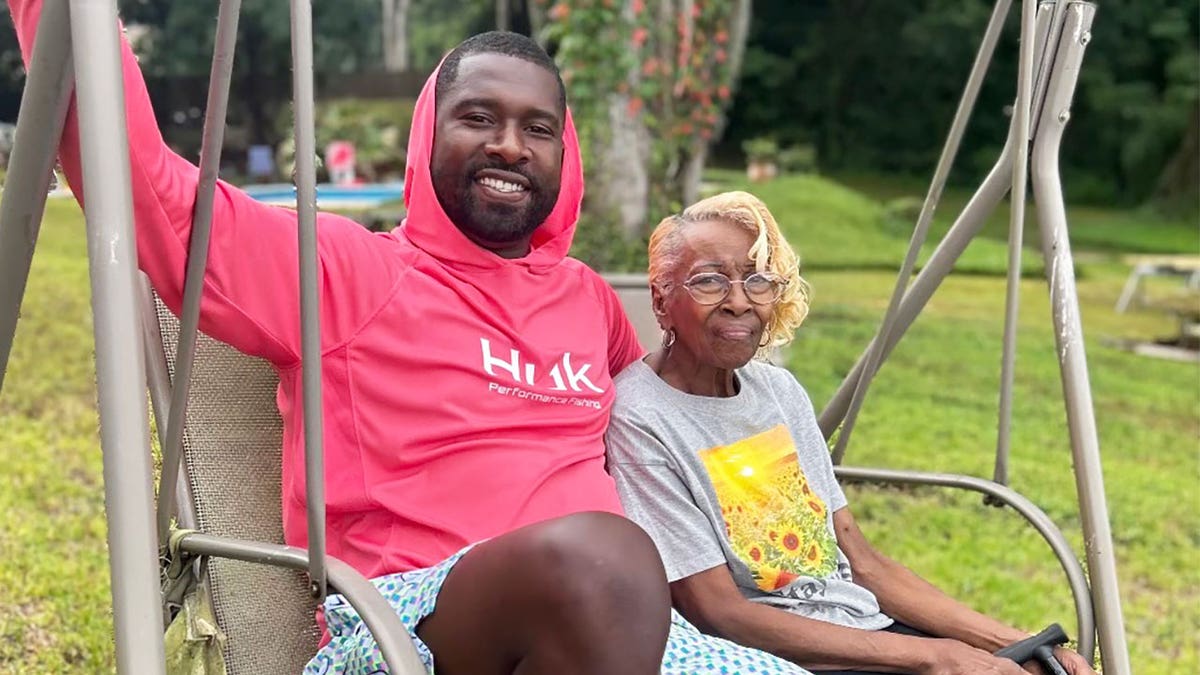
{"points": [[352, 651]]}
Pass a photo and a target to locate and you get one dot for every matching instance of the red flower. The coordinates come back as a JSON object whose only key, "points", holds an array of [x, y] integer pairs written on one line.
{"points": [[720, 56], [637, 6], [721, 37], [639, 37], [635, 106], [723, 94], [560, 11]]}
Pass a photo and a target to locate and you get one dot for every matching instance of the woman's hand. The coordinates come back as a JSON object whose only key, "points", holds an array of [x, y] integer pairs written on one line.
{"points": [[1071, 661], [951, 657]]}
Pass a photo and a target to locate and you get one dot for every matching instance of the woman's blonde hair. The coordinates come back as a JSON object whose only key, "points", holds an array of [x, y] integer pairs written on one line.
{"points": [[770, 253]]}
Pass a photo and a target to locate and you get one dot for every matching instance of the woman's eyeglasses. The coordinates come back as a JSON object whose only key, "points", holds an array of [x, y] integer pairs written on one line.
{"points": [[710, 288]]}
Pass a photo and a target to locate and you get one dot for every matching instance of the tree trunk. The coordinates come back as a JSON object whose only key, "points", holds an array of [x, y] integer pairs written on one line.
{"points": [[537, 20], [502, 15], [739, 31], [693, 171], [1179, 182], [252, 94], [622, 165], [624, 185], [628, 182], [697, 153], [395, 35]]}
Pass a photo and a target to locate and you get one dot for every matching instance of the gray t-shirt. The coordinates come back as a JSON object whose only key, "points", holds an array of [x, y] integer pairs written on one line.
{"points": [[744, 481]]}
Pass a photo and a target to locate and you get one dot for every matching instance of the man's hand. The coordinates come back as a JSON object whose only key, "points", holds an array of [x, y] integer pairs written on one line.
{"points": [[1071, 661], [951, 657]]}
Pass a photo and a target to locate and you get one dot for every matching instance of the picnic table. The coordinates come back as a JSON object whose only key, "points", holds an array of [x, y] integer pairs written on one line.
{"points": [[1186, 266]]}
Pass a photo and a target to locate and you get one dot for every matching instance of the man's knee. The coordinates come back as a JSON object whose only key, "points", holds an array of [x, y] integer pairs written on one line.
{"points": [[584, 593], [601, 563]]}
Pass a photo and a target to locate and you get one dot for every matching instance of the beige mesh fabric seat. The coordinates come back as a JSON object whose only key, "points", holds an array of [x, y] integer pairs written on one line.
{"points": [[232, 447], [232, 460], [634, 292]]}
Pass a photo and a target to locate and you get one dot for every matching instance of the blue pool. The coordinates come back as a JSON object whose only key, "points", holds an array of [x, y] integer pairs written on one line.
{"points": [[331, 196]]}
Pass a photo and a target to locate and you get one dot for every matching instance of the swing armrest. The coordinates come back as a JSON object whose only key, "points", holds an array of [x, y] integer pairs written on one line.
{"points": [[390, 634], [1035, 516]]}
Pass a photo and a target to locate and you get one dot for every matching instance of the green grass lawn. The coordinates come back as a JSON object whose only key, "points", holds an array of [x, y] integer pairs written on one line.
{"points": [[54, 586], [1097, 230], [932, 407]]}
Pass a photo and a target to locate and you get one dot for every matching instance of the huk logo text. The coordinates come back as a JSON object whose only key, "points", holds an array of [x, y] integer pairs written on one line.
{"points": [[563, 375]]}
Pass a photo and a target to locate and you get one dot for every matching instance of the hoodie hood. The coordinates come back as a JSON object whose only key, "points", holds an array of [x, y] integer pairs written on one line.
{"points": [[429, 228]]}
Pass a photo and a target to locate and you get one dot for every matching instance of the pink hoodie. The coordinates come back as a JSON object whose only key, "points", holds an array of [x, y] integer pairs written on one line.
{"points": [[465, 395]]}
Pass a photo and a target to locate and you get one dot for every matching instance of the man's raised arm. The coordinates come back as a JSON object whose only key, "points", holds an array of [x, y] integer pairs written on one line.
{"points": [[251, 296]]}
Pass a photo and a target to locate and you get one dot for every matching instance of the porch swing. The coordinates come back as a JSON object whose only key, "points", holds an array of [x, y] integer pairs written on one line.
{"points": [[218, 514]]}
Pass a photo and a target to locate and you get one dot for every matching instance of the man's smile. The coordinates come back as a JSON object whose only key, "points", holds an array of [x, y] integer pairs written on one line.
{"points": [[502, 186]]}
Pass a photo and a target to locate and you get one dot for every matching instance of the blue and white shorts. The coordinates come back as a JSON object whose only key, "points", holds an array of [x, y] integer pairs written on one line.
{"points": [[352, 651]]}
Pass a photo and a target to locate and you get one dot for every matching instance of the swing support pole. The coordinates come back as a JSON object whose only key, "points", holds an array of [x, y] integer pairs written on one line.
{"points": [[121, 381], [1065, 26], [78, 48], [1068, 333]]}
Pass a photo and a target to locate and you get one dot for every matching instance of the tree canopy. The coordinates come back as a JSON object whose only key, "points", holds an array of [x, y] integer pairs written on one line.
{"points": [[873, 86], [868, 85]]}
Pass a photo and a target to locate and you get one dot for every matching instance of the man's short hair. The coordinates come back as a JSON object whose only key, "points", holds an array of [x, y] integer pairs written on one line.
{"points": [[497, 42]]}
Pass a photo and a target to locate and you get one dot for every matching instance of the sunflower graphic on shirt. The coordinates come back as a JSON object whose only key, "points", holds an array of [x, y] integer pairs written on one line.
{"points": [[774, 520]]}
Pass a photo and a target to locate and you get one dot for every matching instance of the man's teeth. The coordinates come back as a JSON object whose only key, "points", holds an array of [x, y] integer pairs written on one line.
{"points": [[501, 185]]}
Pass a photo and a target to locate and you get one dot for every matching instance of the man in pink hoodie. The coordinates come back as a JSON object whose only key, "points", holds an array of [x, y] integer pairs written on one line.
{"points": [[467, 379]]}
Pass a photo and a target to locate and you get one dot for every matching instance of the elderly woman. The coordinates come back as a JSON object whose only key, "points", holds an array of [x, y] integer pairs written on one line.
{"points": [[718, 456]]}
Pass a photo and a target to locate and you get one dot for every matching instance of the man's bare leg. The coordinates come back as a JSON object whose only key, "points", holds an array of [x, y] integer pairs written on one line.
{"points": [[585, 594]]}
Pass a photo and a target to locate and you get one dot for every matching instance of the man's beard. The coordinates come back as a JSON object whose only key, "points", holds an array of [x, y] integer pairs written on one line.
{"points": [[493, 222]]}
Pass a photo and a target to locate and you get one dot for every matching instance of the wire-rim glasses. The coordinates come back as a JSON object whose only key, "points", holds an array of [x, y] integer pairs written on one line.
{"points": [[710, 288]]}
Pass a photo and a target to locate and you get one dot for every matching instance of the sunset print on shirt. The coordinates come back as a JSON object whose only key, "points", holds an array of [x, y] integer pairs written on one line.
{"points": [[775, 522]]}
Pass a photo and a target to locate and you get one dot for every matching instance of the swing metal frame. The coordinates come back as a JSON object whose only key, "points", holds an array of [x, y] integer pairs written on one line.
{"points": [[77, 53]]}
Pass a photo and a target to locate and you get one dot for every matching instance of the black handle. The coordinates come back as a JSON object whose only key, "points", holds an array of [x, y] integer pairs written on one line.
{"points": [[1026, 649], [1045, 656]]}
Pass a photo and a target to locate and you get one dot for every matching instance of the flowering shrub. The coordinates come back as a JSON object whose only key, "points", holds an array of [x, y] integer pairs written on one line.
{"points": [[669, 61]]}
